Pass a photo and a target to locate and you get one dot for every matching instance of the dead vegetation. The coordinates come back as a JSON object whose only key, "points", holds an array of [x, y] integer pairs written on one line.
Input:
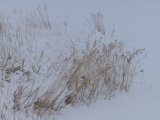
{"points": [[41, 85], [97, 22]]}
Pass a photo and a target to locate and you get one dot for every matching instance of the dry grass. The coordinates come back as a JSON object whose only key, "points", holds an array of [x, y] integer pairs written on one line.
{"points": [[38, 18], [97, 22], [40, 85]]}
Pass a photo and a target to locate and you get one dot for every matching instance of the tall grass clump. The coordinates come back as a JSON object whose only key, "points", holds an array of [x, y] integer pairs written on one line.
{"points": [[38, 79], [100, 72]]}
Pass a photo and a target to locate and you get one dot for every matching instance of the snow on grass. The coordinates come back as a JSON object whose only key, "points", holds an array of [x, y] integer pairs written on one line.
{"points": [[45, 67]]}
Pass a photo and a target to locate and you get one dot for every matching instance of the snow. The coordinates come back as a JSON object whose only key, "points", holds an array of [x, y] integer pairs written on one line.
{"points": [[135, 21]]}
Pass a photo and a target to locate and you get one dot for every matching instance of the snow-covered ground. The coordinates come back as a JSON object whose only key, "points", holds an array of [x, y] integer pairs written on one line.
{"points": [[135, 21]]}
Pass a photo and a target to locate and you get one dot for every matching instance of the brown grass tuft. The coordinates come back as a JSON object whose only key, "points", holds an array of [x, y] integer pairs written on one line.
{"points": [[38, 83]]}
